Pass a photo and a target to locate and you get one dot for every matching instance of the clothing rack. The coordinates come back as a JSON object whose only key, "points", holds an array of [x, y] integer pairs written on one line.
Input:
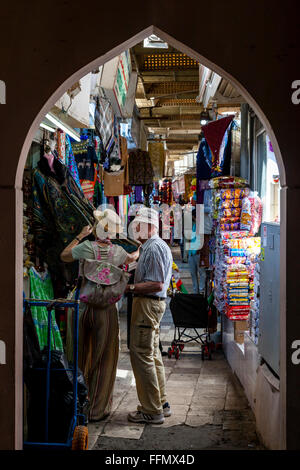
{"points": [[51, 305]]}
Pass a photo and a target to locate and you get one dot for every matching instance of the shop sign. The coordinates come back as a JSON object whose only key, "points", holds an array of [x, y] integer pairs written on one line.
{"points": [[2, 352], [2, 92], [122, 79]]}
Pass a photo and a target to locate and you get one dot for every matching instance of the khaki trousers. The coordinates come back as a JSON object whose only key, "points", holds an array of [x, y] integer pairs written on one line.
{"points": [[145, 355]]}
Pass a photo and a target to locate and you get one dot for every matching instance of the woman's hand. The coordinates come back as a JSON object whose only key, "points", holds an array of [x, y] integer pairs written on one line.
{"points": [[85, 232]]}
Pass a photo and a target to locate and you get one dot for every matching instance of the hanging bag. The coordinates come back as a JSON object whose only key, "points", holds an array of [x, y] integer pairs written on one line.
{"points": [[103, 284], [114, 183]]}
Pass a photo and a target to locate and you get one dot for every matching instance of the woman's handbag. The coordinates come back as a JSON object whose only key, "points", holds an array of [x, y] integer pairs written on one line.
{"points": [[103, 284]]}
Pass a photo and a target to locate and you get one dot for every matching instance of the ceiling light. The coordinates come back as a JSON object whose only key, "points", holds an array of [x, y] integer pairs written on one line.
{"points": [[63, 127], [48, 128], [228, 112], [204, 118]]}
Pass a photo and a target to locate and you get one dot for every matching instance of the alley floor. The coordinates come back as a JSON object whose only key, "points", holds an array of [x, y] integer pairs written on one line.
{"points": [[209, 407]]}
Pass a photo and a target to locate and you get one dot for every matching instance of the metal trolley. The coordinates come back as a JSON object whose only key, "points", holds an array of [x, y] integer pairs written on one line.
{"points": [[78, 432], [190, 312]]}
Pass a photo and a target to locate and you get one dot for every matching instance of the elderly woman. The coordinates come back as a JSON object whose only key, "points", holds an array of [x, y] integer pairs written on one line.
{"points": [[99, 327]]}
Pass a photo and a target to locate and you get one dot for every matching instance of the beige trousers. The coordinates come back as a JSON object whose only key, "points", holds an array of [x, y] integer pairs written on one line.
{"points": [[145, 355]]}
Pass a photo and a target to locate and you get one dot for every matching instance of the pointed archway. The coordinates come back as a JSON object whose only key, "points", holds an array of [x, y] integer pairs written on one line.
{"points": [[53, 98]]}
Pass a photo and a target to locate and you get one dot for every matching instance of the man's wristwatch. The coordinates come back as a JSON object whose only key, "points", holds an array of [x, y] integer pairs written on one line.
{"points": [[131, 287]]}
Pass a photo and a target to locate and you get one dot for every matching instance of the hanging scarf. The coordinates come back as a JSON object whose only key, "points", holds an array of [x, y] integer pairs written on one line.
{"points": [[214, 134], [71, 162]]}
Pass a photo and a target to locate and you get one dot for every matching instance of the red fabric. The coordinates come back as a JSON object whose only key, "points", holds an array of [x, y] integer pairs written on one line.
{"points": [[214, 133]]}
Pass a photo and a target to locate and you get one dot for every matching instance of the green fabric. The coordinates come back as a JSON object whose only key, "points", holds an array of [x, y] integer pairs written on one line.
{"points": [[183, 289], [41, 288]]}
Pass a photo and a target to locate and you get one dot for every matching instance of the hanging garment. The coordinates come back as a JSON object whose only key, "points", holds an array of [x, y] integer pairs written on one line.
{"points": [[60, 211], [85, 157], [61, 145], [226, 156], [70, 161], [113, 150], [123, 150], [140, 168], [88, 187], [97, 198], [41, 288], [204, 161], [104, 121], [157, 156], [214, 134]]}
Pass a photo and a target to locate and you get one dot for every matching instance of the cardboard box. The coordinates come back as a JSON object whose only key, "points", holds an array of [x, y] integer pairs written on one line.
{"points": [[240, 325]]}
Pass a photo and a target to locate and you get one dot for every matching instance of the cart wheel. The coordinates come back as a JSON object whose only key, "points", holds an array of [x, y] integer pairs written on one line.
{"points": [[169, 353], [80, 438], [177, 353]]}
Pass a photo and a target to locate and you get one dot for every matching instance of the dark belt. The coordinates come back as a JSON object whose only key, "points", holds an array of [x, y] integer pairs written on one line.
{"points": [[155, 297]]}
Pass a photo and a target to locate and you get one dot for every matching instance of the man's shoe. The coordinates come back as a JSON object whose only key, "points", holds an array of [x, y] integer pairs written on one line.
{"points": [[140, 417], [167, 410]]}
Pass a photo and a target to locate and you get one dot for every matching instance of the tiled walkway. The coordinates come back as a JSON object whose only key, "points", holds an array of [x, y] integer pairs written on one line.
{"points": [[209, 407]]}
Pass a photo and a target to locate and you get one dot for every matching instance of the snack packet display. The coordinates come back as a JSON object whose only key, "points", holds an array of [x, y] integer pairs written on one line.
{"points": [[251, 214], [231, 203], [228, 182], [234, 193], [229, 227]]}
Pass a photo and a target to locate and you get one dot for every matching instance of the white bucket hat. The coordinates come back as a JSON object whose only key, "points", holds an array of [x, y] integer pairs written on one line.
{"points": [[109, 223], [147, 216]]}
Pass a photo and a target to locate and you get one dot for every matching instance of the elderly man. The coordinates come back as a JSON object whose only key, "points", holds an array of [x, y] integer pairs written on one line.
{"points": [[152, 278]]}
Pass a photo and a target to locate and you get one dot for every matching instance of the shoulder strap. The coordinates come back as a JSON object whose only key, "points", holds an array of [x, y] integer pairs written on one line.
{"points": [[96, 250]]}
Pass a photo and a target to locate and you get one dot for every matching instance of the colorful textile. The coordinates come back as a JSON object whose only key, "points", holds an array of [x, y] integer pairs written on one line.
{"points": [[70, 162], [140, 168], [104, 121], [60, 211], [214, 134], [157, 156], [41, 288], [85, 157], [61, 145]]}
